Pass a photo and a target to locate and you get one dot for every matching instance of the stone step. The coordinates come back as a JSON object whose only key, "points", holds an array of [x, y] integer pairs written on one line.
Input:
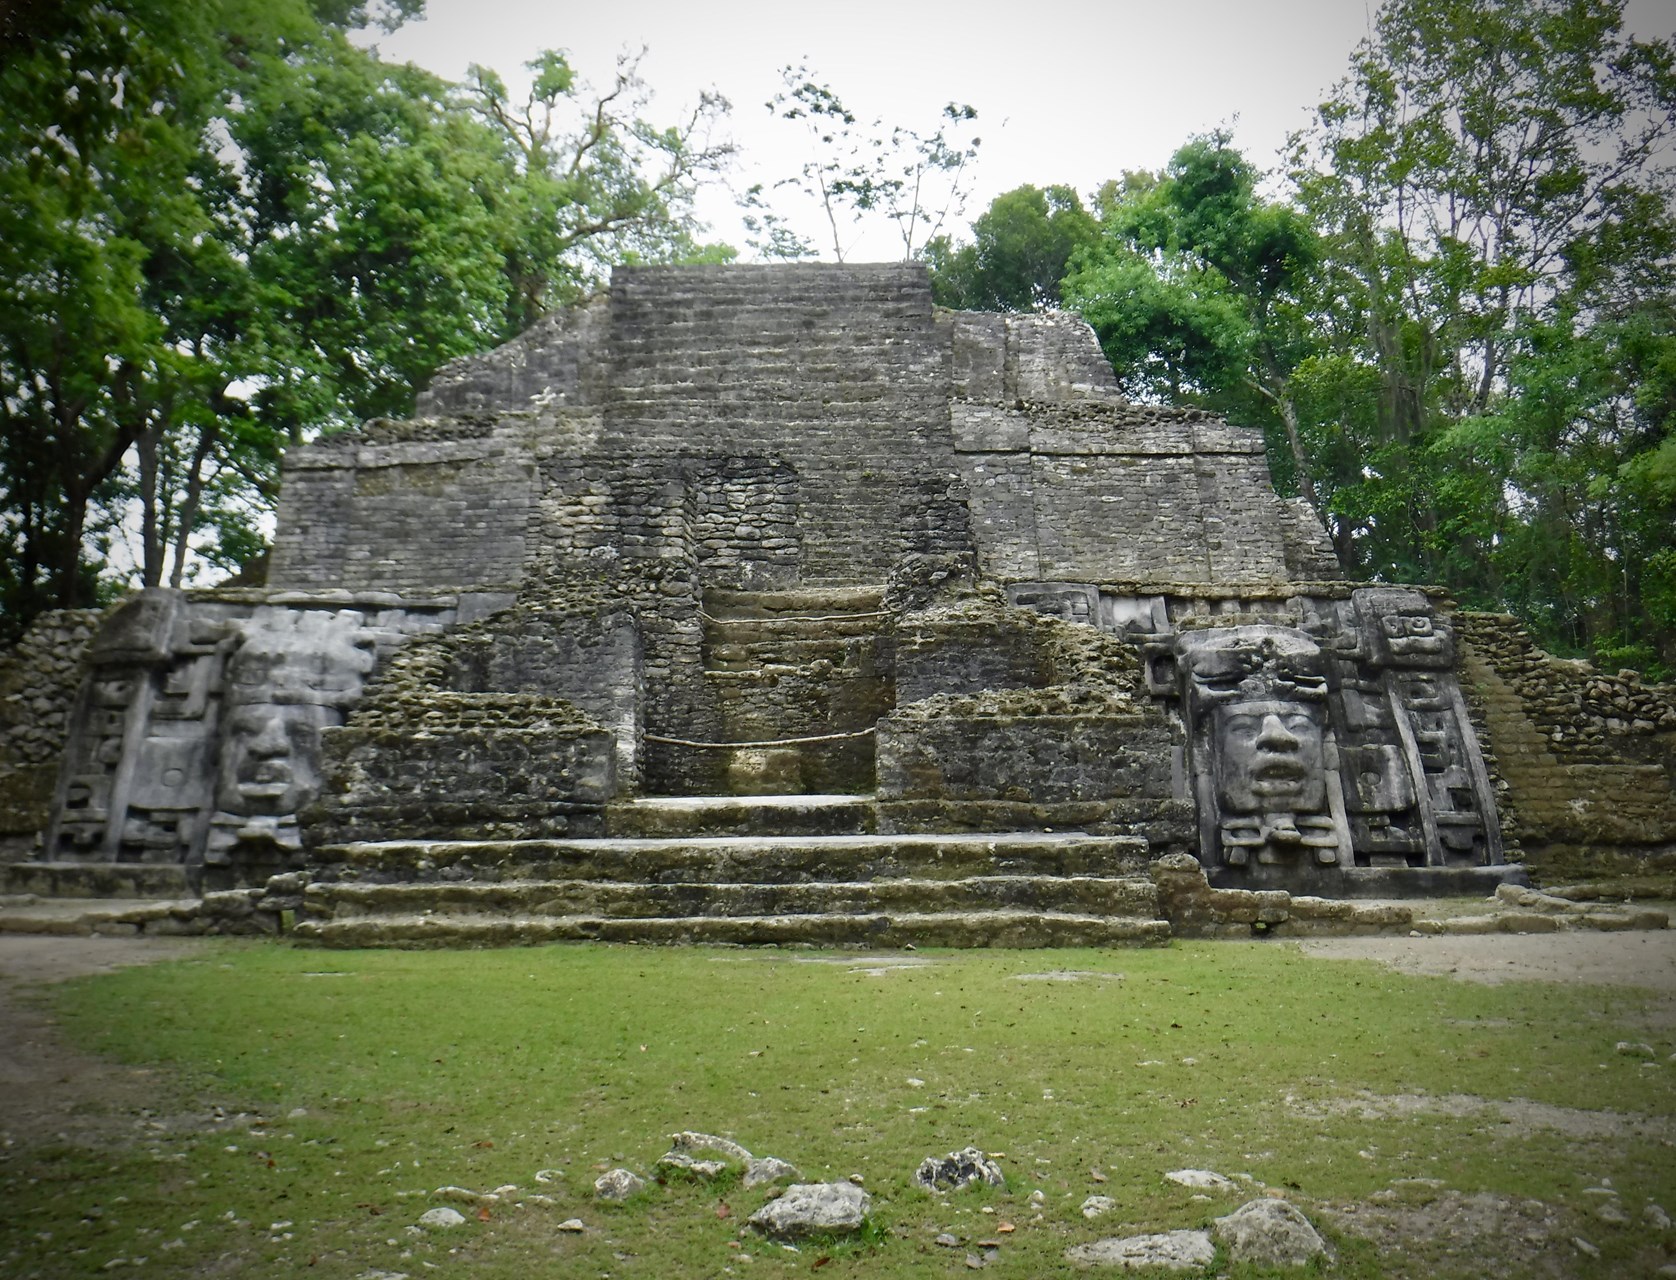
{"points": [[951, 929], [836, 630], [740, 859], [737, 605], [98, 917], [94, 879], [1133, 896], [790, 815]]}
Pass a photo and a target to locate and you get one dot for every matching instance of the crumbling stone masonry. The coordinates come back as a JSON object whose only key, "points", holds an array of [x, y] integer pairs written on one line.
{"points": [[774, 604]]}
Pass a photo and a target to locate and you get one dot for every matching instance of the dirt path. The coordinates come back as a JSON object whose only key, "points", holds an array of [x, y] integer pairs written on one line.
{"points": [[1597, 959], [49, 1090]]}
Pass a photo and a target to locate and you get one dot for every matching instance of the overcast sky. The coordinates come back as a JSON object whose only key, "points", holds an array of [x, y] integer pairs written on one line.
{"points": [[1071, 91]]}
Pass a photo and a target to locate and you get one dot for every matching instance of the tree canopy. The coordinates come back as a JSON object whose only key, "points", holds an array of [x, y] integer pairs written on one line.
{"points": [[225, 227], [1454, 311]]}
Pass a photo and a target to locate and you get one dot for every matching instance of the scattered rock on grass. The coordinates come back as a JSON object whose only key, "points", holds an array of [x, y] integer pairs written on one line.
{"points": [[1203, 1179], [709, 1156], [442, 1218], [958, 1169], [1097, 1206], [813, 1208], [1269, 1233], [464, 1195], [1612, 1211], [766, 1169], [618, 1184], [1172, 1250]]}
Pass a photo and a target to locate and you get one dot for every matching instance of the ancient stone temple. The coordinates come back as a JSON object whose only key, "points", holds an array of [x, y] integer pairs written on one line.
{"points": [[775, 604]]}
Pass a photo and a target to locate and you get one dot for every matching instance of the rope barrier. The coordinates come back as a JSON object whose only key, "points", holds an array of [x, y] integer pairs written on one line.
{"points": [[828, 617], [772, 742]]}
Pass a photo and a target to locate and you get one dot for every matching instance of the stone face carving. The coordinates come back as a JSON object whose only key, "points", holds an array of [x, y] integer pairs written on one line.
{"points": [[292, 675], [1421, 726], [1255, 703], [197, 736], [138, 768], [1343, 740]]}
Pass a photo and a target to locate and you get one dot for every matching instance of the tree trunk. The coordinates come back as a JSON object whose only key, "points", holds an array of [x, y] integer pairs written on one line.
{"points": [[188, 513], [151, 545]]}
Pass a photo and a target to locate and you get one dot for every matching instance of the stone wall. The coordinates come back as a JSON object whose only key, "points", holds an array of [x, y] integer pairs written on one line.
{"points": [[841, 372], [811, 671], [1025, 720], [523, 723], [463, 766], [797, 425], [1068, 481], [1585, 761], [39, 680], [558, 360], [430, 505]]}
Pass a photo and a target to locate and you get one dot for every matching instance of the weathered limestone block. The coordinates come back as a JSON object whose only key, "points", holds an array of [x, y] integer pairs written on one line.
{"points": [[39, 680], [808, 1209]]}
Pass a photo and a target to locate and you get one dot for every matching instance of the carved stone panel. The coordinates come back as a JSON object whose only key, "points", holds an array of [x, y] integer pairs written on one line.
{"points": [[197, 736], [1261, 747]]}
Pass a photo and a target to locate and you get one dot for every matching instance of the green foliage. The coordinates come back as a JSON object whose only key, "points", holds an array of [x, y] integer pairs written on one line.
{"points": [[1493, 182], [1202, 291], [225, 228], [591, 182], [1455, 328], [1020, 248], [368, 1079]]}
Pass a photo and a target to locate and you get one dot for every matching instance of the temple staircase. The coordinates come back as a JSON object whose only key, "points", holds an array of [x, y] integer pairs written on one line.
{"points": [[780, 869]]}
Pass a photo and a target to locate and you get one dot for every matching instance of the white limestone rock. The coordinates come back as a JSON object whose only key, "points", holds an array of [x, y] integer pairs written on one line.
{"points": [[1200, 1179], [958, 1169], [1098, 1206], [813, 1208], [442, 1219], [766, 1169], [1170, 1250], [703, 1154], [1268, 1233], [618, 1184]]}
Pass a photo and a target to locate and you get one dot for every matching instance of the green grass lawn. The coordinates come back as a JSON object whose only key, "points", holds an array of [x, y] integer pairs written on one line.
{"points": [[366, 1080]]}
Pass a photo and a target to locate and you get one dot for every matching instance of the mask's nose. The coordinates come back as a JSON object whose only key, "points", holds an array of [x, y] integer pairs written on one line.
{"points": [[1276, 736]]}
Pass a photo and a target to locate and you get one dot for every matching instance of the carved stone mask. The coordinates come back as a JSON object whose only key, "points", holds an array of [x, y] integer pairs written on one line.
{"points": [[1269, 757], [271, 761], [292, 677], [1403, 630]]}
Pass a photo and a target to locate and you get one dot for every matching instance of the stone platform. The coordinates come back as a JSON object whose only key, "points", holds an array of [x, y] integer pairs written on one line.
{"points": [[854, 889]]}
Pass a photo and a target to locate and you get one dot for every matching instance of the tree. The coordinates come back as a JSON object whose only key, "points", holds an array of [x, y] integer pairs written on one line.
{"points": [[1018, 254], [1494, 182], [916, 180], [225, 228], [594, 183], [1202, 290]]}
